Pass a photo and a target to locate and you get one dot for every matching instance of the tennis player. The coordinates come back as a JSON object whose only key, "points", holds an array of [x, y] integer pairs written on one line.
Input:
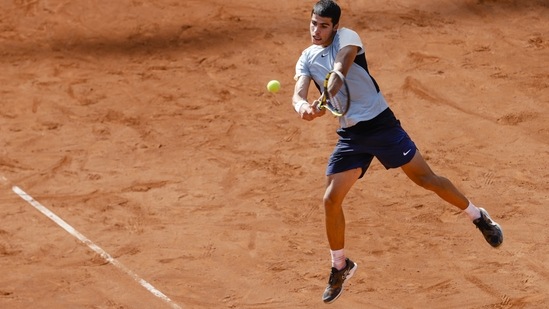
{"points": [[370, 129]]}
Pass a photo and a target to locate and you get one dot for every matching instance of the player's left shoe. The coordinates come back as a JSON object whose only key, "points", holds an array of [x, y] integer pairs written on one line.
{"points": [[490, 229], [337, 279]]}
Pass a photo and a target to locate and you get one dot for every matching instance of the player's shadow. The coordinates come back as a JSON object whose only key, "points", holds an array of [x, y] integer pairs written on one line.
{"points": [[159, 40], [167, 38]]}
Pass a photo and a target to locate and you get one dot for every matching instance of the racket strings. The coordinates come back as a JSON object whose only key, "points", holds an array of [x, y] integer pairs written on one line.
{"points": [[338, 106], [339, 101], [336, 103]]}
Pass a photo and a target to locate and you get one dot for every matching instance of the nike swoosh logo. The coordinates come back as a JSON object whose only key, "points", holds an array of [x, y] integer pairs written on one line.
{"points": [[323, 55], [407, 152]]}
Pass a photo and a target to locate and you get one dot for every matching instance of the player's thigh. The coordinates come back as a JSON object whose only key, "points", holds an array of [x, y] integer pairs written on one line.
{"points": [[339, 184], [418, 170]]}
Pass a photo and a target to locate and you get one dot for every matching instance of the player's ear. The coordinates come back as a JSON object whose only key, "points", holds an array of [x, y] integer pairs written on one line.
{"points": [[335, 26]]}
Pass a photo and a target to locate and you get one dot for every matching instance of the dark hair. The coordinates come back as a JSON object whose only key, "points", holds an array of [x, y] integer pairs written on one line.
{"points": [[327, 8]]}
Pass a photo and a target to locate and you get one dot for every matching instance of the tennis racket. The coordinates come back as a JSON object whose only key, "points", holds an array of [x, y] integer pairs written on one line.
{"points": [[338, 104]]}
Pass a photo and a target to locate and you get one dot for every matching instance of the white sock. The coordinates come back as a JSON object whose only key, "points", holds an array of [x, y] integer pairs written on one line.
{"points": [[338, 258], [472, 211]]}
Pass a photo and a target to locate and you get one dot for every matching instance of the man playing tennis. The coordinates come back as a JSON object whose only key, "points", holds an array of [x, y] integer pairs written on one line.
{"points": [[368, 130]]}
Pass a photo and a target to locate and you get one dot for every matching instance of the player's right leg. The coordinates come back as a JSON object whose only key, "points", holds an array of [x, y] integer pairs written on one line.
{"points": [[337, 187]]}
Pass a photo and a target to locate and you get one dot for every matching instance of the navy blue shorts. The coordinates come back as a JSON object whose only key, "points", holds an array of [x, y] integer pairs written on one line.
{"points": [[382, 137]]}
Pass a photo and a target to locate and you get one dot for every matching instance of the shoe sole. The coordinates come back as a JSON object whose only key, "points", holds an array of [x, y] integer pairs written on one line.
{"points": [[501, 231], [349, 276], [496, 224]]}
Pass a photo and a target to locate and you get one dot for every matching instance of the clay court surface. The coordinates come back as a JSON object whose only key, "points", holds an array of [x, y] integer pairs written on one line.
{"points": [[146, 126]]}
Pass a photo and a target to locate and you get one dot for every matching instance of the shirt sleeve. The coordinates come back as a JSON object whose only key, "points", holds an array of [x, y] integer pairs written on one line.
{"points": [[349, 37]]}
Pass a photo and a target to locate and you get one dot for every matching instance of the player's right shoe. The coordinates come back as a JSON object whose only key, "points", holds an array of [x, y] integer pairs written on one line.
{"points": [[490, 229], [337, 279]]}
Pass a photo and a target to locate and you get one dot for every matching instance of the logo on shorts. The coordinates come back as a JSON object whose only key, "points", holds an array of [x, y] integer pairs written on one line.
{"points": [[407, 152]]}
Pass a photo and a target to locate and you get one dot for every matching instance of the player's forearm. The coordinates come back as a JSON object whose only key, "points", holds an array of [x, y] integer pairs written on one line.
{"points": [[299, 99]]}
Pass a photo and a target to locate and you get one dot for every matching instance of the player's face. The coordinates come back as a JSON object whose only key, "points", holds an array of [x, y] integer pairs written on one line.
{"points": [[322, 30]]}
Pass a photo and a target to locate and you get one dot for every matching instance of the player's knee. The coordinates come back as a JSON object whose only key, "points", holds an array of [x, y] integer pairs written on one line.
{"points": [[331, 202], [429, 182], [327, 200]]}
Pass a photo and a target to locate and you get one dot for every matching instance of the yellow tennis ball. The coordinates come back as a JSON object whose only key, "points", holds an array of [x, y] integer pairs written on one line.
{"points": [[273, 86]]}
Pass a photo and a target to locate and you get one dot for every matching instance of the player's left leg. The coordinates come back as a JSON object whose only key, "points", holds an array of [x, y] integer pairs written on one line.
{"points": [[420, 173]]}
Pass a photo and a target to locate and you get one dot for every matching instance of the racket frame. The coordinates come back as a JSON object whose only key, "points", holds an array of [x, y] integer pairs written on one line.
{"points": [[327, 99]]}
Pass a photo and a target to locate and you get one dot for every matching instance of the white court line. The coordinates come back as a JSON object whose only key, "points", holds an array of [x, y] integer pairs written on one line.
{"points": [[92, 246]]}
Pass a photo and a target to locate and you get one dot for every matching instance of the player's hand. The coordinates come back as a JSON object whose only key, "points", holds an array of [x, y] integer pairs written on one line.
{"points": [[309, 112]]}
